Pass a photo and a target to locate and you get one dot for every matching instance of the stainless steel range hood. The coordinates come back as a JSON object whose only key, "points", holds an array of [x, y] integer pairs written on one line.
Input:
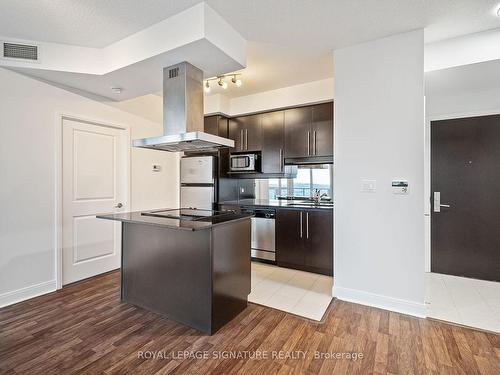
{"points": [[183, 114]]}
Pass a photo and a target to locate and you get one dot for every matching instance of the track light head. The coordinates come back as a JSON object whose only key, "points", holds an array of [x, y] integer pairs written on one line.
{"points": [[236, 81]]}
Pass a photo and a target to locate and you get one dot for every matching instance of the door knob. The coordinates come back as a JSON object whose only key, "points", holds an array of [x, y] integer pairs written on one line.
{"points": [[119, 205]]}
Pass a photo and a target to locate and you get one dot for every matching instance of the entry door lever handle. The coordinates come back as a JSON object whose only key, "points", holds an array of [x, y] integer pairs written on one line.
{"points": [[437, 202]]}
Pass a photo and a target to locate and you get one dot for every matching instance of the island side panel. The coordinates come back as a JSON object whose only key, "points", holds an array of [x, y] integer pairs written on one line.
{"points": [[168, 271], [231, 270]]}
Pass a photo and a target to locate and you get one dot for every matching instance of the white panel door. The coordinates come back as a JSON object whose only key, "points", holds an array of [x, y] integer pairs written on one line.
{"points": [[95, 181]]}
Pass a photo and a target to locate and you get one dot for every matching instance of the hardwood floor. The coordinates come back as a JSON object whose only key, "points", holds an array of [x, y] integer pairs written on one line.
{"points": [[84, 329]]}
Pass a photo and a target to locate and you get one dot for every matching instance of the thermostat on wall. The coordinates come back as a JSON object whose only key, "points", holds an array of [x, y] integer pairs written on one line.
{"points": [[368, 186], [399, 186], [156, 168]]}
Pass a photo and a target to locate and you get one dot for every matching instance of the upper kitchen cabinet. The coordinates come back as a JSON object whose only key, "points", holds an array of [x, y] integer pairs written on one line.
{"points": [[246, 131], [273, 142], [322, 130], [309, 134], [216, 125], [298, 132]]}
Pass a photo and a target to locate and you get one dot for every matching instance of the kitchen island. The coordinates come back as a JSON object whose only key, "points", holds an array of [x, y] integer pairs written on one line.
{"points": [[192, 266]]}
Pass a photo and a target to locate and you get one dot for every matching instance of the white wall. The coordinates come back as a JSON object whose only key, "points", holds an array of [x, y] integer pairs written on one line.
{"points": [[151, 106], [216, 103], [379, 134], [462, 102], [28, 177], [148, 106], [463, 50], [306, 93]]}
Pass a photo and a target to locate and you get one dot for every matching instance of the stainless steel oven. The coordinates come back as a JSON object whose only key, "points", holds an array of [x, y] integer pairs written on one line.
{"points": [[243, 162]]}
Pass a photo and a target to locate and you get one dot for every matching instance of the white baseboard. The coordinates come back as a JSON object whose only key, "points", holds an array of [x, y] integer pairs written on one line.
{"points": [[380, 301], [28, 292]]}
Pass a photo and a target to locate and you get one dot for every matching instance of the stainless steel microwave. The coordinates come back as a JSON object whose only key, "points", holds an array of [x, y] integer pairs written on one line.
{"points": [[243, 162]]}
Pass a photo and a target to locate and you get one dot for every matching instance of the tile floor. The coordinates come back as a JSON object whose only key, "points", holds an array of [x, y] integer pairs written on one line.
{"points": [[469, 302], [297, 292]]}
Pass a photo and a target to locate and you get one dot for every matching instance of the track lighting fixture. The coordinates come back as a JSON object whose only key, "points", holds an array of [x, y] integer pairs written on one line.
{"points": [[221, 81]]}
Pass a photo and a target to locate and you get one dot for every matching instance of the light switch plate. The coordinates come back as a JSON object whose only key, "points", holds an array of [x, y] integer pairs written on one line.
{"points": [[368, 186]]}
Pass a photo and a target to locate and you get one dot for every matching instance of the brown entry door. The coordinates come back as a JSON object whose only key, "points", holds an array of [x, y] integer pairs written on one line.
{"points": [[465, 175]]}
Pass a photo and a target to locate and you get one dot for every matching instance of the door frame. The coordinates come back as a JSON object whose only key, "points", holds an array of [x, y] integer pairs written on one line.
{"points": [[428, 165], [59, 123]]}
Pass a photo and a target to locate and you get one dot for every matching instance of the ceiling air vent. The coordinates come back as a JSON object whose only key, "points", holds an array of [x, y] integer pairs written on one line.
{"points": [[20, 51], [172, 73]]}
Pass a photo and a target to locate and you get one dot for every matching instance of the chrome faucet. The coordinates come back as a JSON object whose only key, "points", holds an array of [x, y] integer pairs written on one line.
{"points": [[317, 196]]}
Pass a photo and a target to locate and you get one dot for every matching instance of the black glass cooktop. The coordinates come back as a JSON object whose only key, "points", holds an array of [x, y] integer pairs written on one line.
{"points": [[191, 214]]}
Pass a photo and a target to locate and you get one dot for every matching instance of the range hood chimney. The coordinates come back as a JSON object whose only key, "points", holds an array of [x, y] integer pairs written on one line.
{"points": [[183, 114]]}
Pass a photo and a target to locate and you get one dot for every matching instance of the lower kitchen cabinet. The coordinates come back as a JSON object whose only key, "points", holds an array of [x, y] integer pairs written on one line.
{"points": [[319, 254], [290, 244], [304, 240]]}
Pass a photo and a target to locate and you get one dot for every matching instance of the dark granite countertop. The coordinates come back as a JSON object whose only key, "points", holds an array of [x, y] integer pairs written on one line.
{"points": [[207, 223], [275, 204]]}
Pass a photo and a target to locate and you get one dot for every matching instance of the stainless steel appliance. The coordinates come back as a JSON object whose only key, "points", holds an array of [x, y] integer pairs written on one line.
{"points": [[263, 245], [183, 114], [244, 162], [198, 178]]}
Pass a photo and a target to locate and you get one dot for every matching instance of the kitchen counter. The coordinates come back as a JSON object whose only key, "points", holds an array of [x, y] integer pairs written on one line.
{"points": [[206, 223], [273, 203], [196, 272]]}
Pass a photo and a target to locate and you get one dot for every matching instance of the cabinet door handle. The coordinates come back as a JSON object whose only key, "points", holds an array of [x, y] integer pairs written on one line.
{"points": [[314, 143], [307, 224], [242, 140], [246, 139], [281, 160], [301, 224], [308, 143]]}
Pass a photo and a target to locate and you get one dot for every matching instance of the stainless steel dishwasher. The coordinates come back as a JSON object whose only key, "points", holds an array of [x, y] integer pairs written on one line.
{"points": [[263, 233]]}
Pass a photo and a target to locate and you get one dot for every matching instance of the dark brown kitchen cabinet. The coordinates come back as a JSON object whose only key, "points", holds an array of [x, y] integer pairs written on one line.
{"points": [[290, 245], [216, 125], [309, 132], [319, 238], [298, 132], [246, 131], [273, 142], [304, 240], [322, 130], [211, 125]]}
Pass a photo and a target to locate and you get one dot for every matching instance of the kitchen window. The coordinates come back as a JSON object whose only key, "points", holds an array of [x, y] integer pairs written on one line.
{"points": [[304, 184]]}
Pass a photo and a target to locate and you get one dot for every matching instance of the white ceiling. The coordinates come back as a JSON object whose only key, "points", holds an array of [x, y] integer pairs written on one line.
{"points": [[290, 40], [331, 24], [271, 66], [90, 23], [325, 24]]}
